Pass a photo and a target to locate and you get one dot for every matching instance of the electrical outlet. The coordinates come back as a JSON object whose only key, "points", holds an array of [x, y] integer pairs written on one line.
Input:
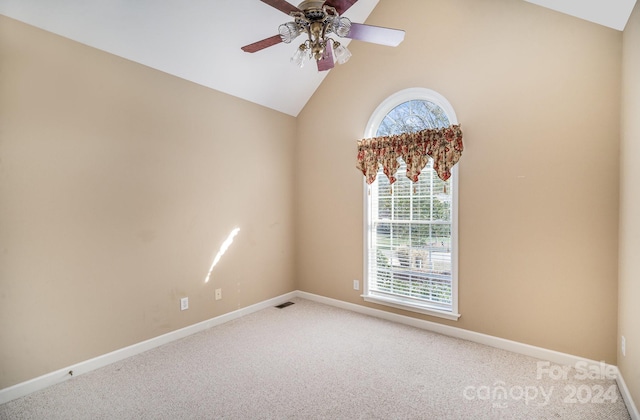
{"points": [[184, 303], [623, 346], [218, 294], [356, 285]]}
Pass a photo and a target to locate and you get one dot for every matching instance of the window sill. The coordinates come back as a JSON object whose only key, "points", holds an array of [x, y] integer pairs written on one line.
{"points": [[399, 304]]}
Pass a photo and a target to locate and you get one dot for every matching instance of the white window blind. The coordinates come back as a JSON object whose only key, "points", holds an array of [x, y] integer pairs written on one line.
{"points": [[410, 252]]}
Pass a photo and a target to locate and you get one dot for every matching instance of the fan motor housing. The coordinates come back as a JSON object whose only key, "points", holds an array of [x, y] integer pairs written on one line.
{"points": [[312, 9]]}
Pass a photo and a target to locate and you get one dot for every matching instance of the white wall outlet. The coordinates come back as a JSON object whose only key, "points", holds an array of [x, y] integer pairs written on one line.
{"points": [[623, 346], [184, 303], [218, 294], [356, 285]]}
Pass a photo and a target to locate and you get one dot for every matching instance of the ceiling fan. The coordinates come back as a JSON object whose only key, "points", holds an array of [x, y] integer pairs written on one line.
{"points": [[318, 19]]}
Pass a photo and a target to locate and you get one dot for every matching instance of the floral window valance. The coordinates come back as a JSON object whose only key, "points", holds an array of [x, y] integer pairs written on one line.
{"points": [[443, 145]]}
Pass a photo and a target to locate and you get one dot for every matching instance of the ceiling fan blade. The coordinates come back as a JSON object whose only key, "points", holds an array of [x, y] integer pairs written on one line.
{"points": [[282, 5], [376, 34], [326, 63], [341, 6], [261, 45]]}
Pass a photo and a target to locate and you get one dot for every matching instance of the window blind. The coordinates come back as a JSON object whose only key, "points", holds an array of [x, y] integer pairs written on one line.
{"points": [[410, 239]]}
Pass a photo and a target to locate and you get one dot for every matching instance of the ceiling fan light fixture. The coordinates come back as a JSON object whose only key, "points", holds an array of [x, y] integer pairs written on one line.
{"points": [[342, 53], [341, 26], [299, 56], [289, 31]]}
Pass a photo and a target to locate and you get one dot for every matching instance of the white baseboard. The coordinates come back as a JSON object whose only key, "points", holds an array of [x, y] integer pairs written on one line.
{"points": [[501, 343], [61, 375], [626, 396]]}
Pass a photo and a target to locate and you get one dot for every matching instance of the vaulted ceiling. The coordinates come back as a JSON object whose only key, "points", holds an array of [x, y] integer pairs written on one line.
{"points": [[200, 40]]}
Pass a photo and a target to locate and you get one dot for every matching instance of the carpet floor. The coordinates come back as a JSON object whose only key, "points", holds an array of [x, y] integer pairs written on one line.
{"points": [[312, 361]]}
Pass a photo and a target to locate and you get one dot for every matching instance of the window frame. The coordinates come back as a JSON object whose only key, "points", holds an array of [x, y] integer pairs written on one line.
{"points": [[374, 122]]}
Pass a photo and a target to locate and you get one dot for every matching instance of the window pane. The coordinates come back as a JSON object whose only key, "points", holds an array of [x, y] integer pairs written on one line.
{"points": [[442, 207], [384, 187], [403, 185], [402, 207], [400, 234], [421, 208], [413, 116], [441, 234], [384, 208], [419, 236], [383, 235]]}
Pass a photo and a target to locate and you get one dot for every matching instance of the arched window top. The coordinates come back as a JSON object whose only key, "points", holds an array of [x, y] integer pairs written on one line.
{"points": [[416, 125], [405, 111]]}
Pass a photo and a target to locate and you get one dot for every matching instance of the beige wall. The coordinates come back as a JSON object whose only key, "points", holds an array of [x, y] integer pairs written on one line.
{"points": [[537, 94], [118, 184], [629, 283]]}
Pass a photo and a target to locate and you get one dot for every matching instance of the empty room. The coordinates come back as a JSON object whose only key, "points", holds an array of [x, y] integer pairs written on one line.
{"points": [[327, 209]]}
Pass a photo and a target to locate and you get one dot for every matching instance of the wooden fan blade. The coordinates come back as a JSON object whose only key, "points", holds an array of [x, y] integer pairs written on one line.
{"points": [[341, 6], [326, 63], [282, 5], [376, 34], [261, 45]]}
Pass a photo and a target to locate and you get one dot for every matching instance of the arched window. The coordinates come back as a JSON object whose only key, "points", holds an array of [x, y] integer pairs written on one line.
{"points": [[411, 228]]}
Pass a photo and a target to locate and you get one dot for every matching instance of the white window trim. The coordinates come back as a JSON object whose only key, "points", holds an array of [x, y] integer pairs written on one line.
{"points": [[374, 122]]}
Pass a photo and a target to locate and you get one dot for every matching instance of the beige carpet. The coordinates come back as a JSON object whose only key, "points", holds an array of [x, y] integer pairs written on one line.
{"points": [[311, 361]]}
